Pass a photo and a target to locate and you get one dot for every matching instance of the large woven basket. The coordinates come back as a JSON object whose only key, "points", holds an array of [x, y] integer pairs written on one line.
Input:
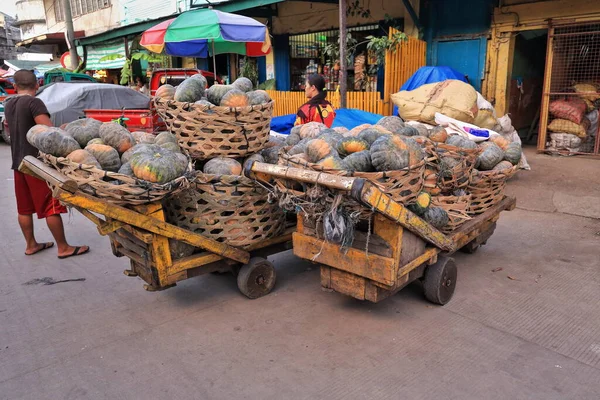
{"points": [[227, 208], [456, 207], [113, 187], [453, 165], [487, 189], [209, 131]]}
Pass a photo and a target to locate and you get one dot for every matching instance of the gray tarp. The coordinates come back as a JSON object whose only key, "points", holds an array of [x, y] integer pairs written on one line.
{"points": [[66, 101]]}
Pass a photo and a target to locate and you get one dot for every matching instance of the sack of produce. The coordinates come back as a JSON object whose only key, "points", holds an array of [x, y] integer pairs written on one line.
{"points": [[587, 91], [564, 141], [453, 98], [569, 109], [565, 126]]}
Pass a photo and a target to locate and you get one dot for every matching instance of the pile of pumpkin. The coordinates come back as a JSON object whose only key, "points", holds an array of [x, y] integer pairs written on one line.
{"points": [[193, 90], [390, 145], [111, 147]]}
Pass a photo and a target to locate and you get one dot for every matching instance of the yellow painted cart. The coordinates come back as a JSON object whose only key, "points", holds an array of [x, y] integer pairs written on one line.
{"points": [[141, 234], [399, 249]]}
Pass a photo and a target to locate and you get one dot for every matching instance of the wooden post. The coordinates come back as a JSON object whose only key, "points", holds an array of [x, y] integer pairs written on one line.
{"points": [[343, 57]]}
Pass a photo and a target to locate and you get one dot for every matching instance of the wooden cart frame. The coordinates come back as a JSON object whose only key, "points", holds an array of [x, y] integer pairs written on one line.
{"points": [[401, 247], [142, 234]]}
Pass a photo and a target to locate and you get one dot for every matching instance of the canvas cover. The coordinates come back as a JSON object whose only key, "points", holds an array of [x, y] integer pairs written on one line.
{"points": [[66, 101]]}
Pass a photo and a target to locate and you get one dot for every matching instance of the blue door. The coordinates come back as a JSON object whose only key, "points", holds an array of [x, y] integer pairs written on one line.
{"points": [[464, 55]]}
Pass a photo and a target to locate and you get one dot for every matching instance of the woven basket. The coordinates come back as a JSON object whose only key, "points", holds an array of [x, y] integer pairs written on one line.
{"points": [[487, 189], [454, 165], [113, 187], [209, 131], [227, 208], [403, 186], [456, 207]]}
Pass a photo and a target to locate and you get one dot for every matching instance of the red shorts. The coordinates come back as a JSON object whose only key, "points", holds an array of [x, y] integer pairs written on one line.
{"points": [[34, 196]]}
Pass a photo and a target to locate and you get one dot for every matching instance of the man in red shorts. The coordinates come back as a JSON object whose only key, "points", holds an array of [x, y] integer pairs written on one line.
{"points": [[33, 195]]}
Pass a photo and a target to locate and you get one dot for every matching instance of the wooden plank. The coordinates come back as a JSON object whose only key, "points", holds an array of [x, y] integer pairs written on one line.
{"points": [[372, 266], [348, 283], [372, 244], [126, 242], [326, 276], [34, 167], [104, 227], [153, 225], [159, 248], [128, 235], [425, 258], [144, 272], [412, 247], [144, 236], [544, 107], [391, 233]]}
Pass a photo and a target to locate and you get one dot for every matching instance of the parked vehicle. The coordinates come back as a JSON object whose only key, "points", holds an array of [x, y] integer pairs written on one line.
{"points": [[62, 76], [174, 76], [7, 86], [3, 125]]}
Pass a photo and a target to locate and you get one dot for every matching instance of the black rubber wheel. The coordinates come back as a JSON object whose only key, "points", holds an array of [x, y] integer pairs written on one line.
{"points": [[5, 136], [440, 280], [470, 247], [257, 278]]}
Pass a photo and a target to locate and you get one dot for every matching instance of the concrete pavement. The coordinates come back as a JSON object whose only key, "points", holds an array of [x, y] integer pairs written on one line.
{"points": [[529, 331]]}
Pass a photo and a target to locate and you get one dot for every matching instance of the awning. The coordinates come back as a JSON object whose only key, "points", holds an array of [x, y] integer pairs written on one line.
{"points": [[95, 53], [45, 67], [49, 38]]}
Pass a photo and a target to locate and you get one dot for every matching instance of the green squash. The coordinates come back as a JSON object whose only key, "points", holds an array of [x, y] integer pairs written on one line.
{"points": [[125, 157], [55, 141], [370, 135], [408, 130], [159, 166], [116, 136], [437, 217], [331, 137], [174, 147], [254, 157], [216, 92], [491, 155], [317, 149], [83, 130], [503, 165], [395, 152], [222, 166], [421, 204], [190, 90], [200, 78], [165, 137], [359, 161], [83, 157], [513, 153], [393, 124], [95, 141], [271, 154], [242, 83], [143, 137], [462, 142], [299, 147], [126, 169], [350, 145], [107, 156], [258, 97]]}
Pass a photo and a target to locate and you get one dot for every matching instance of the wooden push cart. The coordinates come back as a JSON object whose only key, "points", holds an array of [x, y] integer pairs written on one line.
{"points": [[141, 234], [399, 249]]}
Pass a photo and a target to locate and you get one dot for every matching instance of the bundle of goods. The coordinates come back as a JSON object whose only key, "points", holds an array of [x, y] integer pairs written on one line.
{"points": [[221, 121], [226, 206], [109, 162]]}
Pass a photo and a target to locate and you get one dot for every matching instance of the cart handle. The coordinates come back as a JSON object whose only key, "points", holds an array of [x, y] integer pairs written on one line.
{"points": [[362, 191]]}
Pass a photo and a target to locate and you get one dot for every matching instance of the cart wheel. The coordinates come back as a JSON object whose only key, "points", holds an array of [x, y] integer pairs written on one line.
{"points": [[470, 247], [256, 278], [440, 280]]}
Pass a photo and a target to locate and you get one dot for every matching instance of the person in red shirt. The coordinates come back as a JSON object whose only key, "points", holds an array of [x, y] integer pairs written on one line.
{"points": [[22, 112], [317, 108]]}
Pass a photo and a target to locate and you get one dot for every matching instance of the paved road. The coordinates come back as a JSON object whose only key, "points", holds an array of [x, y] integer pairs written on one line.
{"points": [[535, 336]]}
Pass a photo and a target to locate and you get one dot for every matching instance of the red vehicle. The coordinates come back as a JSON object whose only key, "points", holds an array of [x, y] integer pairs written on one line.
{"points": [[8, 86], [148, 120]]}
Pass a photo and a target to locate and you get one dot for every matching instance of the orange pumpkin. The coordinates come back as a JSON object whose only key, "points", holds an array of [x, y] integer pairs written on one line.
{"points": [[166, 92], [438, 134], [331, 162], [351, 145], [235, 98], [222, 166], [500, 141], [317, 149]]}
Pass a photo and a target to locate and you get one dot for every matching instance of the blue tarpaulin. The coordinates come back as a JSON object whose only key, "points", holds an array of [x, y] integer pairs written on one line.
{"points": [[348, 118], [430, 75]]}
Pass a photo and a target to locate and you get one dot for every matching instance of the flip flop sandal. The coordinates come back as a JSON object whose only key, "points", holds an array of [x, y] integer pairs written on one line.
{"points": [[45, 246], [75, 252]]}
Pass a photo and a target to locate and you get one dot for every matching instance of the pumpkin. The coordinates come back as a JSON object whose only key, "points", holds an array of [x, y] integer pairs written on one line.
{"points": [[216, 92], [190, 90], [107, 156], [166, 92], [258, 97], [354, 132], [222, 166], [165, 137], [33, 131], [174, 147], [125, 157], [292, 139], [408, 130], [159, 166], [436, 216], [503, 165], [274, 141], [513, 153], [491, 155], [271, 154], [341, 130], [359, 161], [331, 162], [205, 105], [421, 204], [331, 137], [311, 130], [296, 130], [369, 135], [422, 129], [254, 157], [242, 84], [317, 149], [83, 130], [143, 137], [116, 136], [200, 78], [126, 169], [83, 157], [96, 141], [462, 142], [438, 134], [499, 140], [392, 124], [351, 145], [395, 152], [55, 141], [299, 147], [235, 98]]}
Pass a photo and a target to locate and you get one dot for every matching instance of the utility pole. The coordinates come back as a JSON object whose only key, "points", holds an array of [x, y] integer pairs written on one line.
{"points": [[343, 58], [70, 35]]}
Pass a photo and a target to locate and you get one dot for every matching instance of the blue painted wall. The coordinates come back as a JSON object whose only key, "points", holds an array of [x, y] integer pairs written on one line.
{"points": [[261, 63], [281, 45]]}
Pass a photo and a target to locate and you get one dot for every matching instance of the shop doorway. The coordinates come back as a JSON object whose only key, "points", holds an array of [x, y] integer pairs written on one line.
{"points": [[526, 81]]}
